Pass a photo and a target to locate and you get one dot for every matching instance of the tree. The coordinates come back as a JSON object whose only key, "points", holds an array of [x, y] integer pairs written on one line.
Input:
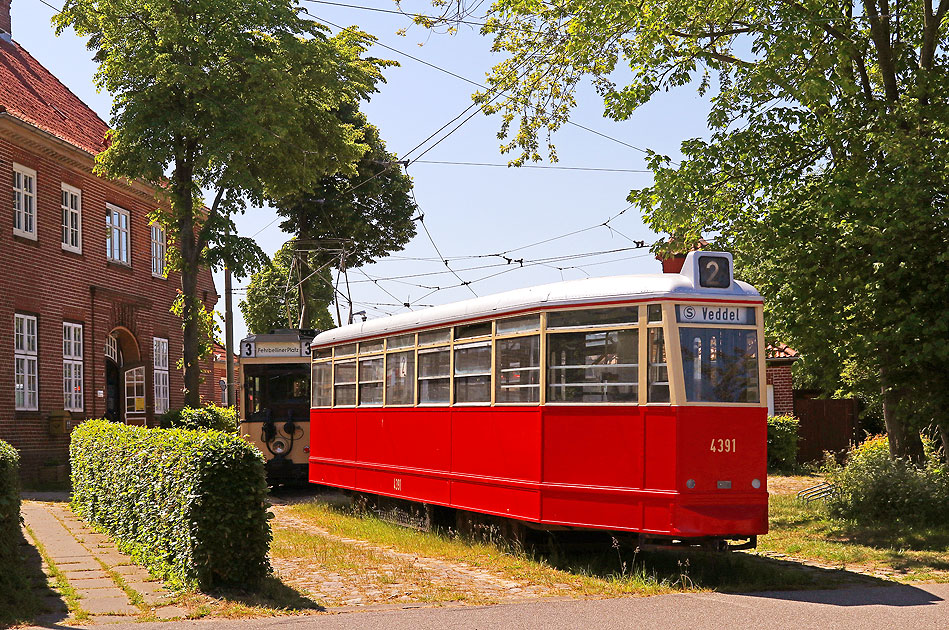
{"points": [[826, 172], [233, 96], [367, 214], [272, 296]]}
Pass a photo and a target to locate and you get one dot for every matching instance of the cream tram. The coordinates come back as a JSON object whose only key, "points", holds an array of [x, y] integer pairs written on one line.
{"points": [[274, 411]]}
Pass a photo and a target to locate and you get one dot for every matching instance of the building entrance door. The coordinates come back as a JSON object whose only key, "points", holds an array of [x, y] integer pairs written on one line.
{"points": [[113, 391]]}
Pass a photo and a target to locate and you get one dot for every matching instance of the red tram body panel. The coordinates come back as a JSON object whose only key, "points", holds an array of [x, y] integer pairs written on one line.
{"points": [[599, 439], [616, 468]]}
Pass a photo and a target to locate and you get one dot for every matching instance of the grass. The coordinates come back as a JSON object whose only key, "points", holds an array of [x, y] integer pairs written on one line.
{"points": [[601, 571], [907, 553], [270, 598], [361, 571]]}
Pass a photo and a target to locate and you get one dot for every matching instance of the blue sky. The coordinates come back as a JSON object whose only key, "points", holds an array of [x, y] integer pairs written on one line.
{"points": [[469, 210]]}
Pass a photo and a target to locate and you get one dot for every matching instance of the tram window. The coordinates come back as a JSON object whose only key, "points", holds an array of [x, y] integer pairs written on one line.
{"points": [[593, 317], [279, 389], [518, 324], [720, 364], [252, 394], [654, 313], [469, 331], [347, 350], [593, 367], [344, 388], [434, 336], [371, 346], [518, 370], [658, 372], [400, 378], [370, 382], [401, 341], [434, 376], [323, 353], [322, 385], [473, 373]]}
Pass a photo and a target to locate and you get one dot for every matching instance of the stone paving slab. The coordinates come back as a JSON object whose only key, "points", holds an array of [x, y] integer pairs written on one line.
{"points": [[77, 564], [79, 576], [170, 612], [111, 557], [93, 583], [109, 605], [132, 570]]}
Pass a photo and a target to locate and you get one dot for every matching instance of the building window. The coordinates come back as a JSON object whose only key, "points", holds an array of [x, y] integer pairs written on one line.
{"points": [[112, 348], [135, 390], [158, 250], [72, 367], [71, 204], [160, 365], [24, 201], [117, 238], [24, 359]]}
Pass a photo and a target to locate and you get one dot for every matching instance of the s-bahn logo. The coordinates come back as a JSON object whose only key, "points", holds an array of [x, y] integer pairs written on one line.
{"points": [[698, 314]]}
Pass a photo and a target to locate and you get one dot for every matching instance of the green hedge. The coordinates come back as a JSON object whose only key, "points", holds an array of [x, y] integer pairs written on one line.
{"points": [[782, 443], [190, 505], [201, 418], [9, 499]]}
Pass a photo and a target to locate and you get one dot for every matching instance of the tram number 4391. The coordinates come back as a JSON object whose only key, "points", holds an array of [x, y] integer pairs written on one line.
{"points": [[723, 445]]}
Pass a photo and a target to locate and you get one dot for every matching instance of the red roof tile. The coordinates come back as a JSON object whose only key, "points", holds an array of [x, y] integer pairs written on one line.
{"points": [[30, 92], [780, 351]]}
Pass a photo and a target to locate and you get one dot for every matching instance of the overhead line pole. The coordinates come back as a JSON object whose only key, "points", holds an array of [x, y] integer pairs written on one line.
{"points": [[229, 338]]}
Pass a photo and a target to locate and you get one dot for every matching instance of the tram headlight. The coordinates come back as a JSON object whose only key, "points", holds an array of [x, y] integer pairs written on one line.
{"points": [[279, 447], [755, 483], [690, 484]]}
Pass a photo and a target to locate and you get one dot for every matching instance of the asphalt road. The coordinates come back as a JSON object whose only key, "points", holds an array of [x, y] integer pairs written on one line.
{"points": [[919, 607]]}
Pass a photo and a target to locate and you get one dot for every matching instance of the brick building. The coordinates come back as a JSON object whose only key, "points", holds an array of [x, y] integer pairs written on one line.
{"points": [[85, 327], [778, 360], [220, 375]]}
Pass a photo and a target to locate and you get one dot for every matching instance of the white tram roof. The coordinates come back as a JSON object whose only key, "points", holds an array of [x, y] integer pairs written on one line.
{"points": [[600, 291]]}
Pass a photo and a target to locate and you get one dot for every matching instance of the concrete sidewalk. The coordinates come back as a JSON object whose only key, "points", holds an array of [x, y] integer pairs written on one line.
{"points": [[92, 565]]}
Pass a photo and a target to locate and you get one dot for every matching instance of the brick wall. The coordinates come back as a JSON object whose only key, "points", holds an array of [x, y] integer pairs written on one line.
{"points": [[779, 376], [5, 16], [40, 278]]}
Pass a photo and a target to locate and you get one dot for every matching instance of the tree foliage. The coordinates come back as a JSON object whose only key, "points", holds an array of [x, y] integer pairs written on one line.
{"points": [[350, 220], [272, 296], [234, 96], [826, 171]]}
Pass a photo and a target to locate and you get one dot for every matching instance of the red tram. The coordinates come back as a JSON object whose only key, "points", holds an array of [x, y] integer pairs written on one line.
{"points": [[627, 403]]}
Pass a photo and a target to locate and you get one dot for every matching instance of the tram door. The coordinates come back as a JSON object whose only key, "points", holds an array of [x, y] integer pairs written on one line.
{"points": [[113, 391]]}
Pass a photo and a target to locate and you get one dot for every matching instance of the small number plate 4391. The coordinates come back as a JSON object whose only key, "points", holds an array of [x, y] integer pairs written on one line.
{"points": [[723, 445]]}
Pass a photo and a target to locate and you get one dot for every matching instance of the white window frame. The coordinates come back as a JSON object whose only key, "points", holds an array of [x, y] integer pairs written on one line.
{"points": [[159, 249], [24, 201], [115, 229], [26, 375], [69, 195], [160, 373], [72, 367], [112, 348], [135, 377]]}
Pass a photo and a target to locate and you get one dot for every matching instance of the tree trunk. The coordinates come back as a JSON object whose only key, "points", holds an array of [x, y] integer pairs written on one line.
{"points": [[189, 314], [944, 434], [905, 442], [184, 212]]}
